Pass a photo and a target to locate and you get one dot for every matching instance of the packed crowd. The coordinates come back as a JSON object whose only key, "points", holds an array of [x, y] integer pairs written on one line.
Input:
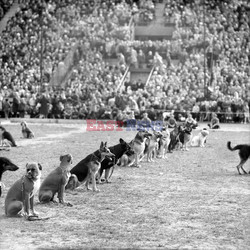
{"points": [[101, 30], [5, 6], [54, 27]]}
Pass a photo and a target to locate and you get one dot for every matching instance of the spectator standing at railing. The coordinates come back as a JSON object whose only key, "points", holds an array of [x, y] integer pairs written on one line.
{"points": [[171, 122], [150, 59], [145, 118], [196, 111], [44, 106], [15, 104], [6, 108], [133, 58], [141, 58], [246, 112]]}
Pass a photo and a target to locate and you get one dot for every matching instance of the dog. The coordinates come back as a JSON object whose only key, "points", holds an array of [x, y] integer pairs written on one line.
{"points": [[106, 165], [186, 135], [174, 137], [21, 195], [6, 137], [164, 143], [200, 139], [5, 164], [138, 145], [56, 181], [126, 158], [26, 131], [151, 145], [88, 168], [244, 153]]}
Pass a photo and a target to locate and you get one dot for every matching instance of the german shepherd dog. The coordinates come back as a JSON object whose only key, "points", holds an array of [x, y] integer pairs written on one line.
{"points": [[5, 164], [151, 145], [185, 135], [164, 143], [244, 153], [126, 158], [174, 137], [138, 145], [88, 168], [108, 165]]}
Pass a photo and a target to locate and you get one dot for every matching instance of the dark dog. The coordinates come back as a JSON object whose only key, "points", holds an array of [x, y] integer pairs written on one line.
{"points": [[186, 134], [244, 153], [118, 150], [56, 181], [5, 164], [88, 168], [5, 135], [21, 194], [126, 158], [174, 137]]}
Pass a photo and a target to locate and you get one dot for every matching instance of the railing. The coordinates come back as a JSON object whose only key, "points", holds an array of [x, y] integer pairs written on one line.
{"points": [[63, 68], [119, 87], [149, 76], [132, 28]]}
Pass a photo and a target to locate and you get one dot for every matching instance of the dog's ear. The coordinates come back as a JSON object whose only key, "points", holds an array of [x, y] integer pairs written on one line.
{"points": [[40, 166], [105, 144], [61, 157], [121, 141], [101, 146]]}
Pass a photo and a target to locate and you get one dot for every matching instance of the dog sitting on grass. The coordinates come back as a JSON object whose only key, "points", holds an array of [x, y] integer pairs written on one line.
{"points": [[26, 131], [164, 143], [200, 139], [20, 197]]}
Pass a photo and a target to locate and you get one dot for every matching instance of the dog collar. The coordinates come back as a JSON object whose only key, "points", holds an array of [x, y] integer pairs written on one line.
{"points": [[98, 157]]}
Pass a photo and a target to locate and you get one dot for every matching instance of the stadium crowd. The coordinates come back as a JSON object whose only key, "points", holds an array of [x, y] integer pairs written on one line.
{"points": [[5, 6], [101, 29]]}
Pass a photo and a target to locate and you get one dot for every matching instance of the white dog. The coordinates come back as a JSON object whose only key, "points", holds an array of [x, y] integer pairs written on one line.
{"points": [[200, 139]]}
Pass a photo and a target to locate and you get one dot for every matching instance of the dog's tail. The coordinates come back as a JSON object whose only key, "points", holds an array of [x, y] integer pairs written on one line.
{"points": [[235, 148]]}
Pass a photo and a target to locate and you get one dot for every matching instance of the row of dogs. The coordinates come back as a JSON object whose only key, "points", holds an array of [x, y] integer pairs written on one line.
{"points": [[19, 200]]}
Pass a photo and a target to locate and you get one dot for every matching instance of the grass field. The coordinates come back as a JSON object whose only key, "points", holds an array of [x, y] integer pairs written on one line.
{"points": [[192, 200]]}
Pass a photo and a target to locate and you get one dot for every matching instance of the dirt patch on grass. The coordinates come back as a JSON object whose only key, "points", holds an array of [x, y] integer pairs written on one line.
{"points": [[192, 200]]}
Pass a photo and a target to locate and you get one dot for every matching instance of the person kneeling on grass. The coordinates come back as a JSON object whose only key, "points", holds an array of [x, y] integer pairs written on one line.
{"points": [[214, 122]]}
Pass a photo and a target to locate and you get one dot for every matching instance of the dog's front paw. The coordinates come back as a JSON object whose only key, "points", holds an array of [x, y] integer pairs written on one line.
{"points": [[97, 190], [68, 204], [34, 213]]}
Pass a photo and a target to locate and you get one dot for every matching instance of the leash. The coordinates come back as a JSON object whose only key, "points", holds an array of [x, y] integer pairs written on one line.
{"points": [[30, 217], [1, 188], [113, 167], [95, 156], [36, 218]]}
